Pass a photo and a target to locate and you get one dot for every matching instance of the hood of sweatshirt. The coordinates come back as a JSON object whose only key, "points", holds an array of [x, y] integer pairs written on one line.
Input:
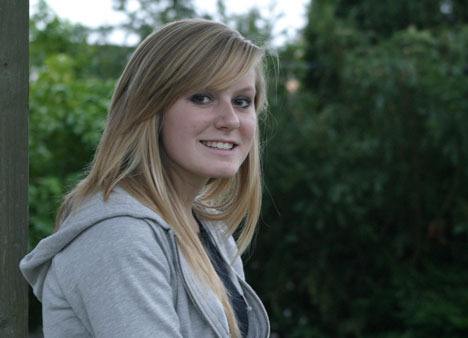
{"points": [[35, 265]]}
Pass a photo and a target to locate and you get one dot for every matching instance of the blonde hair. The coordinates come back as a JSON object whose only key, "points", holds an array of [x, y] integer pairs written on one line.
{"points": [[182, 56]]}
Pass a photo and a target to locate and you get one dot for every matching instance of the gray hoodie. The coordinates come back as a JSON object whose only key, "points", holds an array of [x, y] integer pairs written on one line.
{"points": [[114, 269]]}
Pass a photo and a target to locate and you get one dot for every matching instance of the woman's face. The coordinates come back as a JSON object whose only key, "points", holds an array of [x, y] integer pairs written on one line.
{"points": [[208, 134]]}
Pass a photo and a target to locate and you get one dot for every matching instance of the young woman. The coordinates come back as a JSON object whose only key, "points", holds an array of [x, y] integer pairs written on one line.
{"points": [[143, 245]]}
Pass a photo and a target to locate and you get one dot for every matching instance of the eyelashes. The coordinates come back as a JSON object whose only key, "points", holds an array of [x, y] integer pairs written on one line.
{"points": [[243, 102], [201, 99]]}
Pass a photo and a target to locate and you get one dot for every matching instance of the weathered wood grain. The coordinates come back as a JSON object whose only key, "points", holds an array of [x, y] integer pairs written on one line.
{"points": [[14, 70]]}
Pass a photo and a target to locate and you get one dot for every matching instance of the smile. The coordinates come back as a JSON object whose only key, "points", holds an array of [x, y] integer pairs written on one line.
{"points": [[219, 145]]}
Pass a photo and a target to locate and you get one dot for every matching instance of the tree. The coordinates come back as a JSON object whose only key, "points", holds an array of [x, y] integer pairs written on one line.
{"points": [[367, 170], [386, 17], [13, 166], [144, 16]]}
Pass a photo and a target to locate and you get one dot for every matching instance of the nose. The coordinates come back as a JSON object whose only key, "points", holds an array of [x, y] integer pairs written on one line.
{"points": [[227, 117]]}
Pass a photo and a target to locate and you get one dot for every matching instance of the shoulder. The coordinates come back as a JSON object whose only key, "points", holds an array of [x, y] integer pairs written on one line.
{"points": [[118, 234], [105, 273], [113, 246]]}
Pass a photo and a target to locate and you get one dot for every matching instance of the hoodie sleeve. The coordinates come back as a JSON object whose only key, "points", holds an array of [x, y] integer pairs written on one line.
{"points": [[118, 277]]}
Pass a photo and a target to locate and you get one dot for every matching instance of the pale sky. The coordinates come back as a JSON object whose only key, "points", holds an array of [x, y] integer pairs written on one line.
{"points": [[93, 13]]}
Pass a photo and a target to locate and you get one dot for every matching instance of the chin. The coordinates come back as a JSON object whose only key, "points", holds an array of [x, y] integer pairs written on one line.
{"points": [[224, 176], [225, 173]]}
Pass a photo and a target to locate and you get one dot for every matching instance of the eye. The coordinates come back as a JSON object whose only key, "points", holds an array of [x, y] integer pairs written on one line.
{"points": [[201, 98], [243, 102]]}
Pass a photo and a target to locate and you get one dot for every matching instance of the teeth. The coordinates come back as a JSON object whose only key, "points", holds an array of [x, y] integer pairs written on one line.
{"points": [[219, 145]]}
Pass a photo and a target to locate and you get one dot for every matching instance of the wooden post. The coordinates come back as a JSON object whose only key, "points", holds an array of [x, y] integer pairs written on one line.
{"points": [[14, 70]]}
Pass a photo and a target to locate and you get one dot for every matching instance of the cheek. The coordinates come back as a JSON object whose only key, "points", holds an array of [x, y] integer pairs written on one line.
{"points": [[249, 128], [167, 133], [172, 136], [176, 128]]}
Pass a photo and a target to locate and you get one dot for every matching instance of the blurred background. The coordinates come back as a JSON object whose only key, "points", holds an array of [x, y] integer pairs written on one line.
{"points": [[364, 229]]}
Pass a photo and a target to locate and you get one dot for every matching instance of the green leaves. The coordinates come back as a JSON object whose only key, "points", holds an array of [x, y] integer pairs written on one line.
{"points": [[67, 115], [367, 168]]}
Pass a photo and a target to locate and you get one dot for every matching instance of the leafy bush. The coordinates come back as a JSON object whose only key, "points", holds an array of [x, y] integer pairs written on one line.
{"points": [[365, 235]]}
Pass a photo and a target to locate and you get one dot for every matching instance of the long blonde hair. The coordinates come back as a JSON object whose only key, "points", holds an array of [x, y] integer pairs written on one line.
{"points": [[182, 56]]}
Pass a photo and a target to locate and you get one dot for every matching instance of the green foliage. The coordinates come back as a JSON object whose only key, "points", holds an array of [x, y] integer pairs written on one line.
{"points": [[150, 14], [367, 169], [49, 35], [251, 25], [67, 114], [387, 17]]}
